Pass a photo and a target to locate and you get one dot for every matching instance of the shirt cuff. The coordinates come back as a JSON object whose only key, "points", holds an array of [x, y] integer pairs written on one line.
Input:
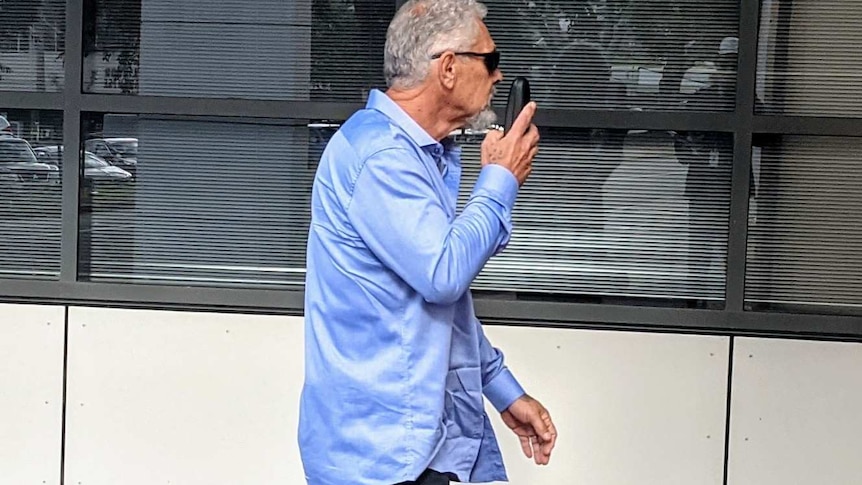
{"points": [[503, 390], [499, 183]]}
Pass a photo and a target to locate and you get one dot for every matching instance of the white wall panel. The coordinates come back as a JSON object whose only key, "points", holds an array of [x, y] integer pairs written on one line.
{"points": [[158, 397], [796, 414], [630, 408], [182, 398], [31, 393]]}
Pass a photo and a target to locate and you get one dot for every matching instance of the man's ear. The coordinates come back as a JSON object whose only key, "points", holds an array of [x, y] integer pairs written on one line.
{"points": [[447, 70]]}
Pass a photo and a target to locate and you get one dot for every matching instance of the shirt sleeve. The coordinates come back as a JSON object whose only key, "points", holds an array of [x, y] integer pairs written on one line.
{"points": [[498, 383], [401, 218]]}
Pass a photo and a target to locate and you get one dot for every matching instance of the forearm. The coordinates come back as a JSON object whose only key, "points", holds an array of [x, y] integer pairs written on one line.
{"points": [[498, 383], [402, 220]]}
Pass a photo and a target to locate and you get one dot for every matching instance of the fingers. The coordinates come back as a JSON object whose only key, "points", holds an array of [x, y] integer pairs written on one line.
{"points": [[533, 152], [534, 427], [530, 141], [552, 429], [524, 119], [541, 450], [526, 447], [522, 431], [492, 136], [540, 425], [547, 446], [538, 455], [532, 135], [545, 438]]}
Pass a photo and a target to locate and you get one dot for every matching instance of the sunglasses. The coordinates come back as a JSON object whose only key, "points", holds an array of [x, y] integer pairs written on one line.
{"points": [[491, 59]]}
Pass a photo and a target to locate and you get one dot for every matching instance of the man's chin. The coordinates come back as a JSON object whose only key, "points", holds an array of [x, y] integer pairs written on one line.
{"points": [[483, 120]]}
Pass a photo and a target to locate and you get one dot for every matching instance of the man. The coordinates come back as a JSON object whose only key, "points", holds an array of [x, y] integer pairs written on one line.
{"points": [[708, 157], [5, 127], [396, 361]]}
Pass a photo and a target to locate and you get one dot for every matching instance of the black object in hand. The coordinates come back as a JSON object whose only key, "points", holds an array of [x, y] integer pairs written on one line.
{"points": [[519, 96]]}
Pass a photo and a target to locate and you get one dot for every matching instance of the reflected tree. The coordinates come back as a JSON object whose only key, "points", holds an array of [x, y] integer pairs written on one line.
{"points": [[347, 36], [667, 34], [112, 29], [38, 25]]}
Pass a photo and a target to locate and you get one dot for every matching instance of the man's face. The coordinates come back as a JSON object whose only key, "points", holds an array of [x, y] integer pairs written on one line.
{"points": [[477, 86]]}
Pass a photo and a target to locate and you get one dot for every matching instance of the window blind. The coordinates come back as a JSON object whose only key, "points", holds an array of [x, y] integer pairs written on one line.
{"points": [[255, 49], [809, 57], [805, 229], [30, 194], [619, 54], [617, 213], [32, 42], [218, 202]]}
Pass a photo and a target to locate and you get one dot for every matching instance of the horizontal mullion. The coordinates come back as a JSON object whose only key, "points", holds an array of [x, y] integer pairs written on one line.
{"points": [[805, 125], [153, 296], [30, 100], [668, 319], [645, 120], [695, 121], [246, 108], [534, 313]]}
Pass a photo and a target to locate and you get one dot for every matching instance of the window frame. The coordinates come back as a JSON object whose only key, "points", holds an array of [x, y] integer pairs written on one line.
{"points": [[743, 123]]}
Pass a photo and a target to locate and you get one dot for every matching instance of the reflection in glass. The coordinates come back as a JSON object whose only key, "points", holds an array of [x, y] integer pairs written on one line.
{"points": [[30, 193], [298, 50], [805, 224], [222, 202], [32, 41], [620, 54], [616, 213]]}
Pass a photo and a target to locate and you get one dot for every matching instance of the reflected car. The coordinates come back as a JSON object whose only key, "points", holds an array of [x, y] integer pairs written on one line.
{"points": [[20, 168], [52, 154], [119, 152], [98, 171]]}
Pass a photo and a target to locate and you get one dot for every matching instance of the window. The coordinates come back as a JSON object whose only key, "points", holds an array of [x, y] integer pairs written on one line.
{"points": [[808, 58], [805, 227], [261, 49], [32, 40], [618, 213], [222, 202], [208, 186], [30, 193], [608, 54]]}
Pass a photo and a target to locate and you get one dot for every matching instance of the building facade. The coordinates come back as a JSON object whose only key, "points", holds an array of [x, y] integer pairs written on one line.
{"points": [[687, 253]]}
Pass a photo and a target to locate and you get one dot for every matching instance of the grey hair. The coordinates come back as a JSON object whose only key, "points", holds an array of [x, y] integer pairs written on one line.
{"points": [[422, 28]]}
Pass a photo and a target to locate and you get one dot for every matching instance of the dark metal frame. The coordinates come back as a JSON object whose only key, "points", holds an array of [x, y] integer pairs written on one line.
{"points": [[733, 320]]}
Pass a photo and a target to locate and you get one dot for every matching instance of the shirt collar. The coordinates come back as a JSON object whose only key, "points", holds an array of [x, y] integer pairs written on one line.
{"points": [[379, 101]]}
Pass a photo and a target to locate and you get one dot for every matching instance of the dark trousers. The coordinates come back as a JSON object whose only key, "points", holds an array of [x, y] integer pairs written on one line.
{"points": [[429, 477]]}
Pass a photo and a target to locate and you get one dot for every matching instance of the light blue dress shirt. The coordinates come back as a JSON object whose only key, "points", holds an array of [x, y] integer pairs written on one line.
{"points": [[395, 360]]}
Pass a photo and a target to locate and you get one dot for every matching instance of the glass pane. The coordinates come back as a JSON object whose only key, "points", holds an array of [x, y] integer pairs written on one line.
{"points": [[220, 202], [637, 214], [261, 49], [30, 193], [808, 58], [805, 227], [32, 41], [619, 54]]}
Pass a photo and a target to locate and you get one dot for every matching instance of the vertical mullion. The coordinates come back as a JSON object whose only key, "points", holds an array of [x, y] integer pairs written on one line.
{"points": [[728, 406], [73, 60], [749, 17]]}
